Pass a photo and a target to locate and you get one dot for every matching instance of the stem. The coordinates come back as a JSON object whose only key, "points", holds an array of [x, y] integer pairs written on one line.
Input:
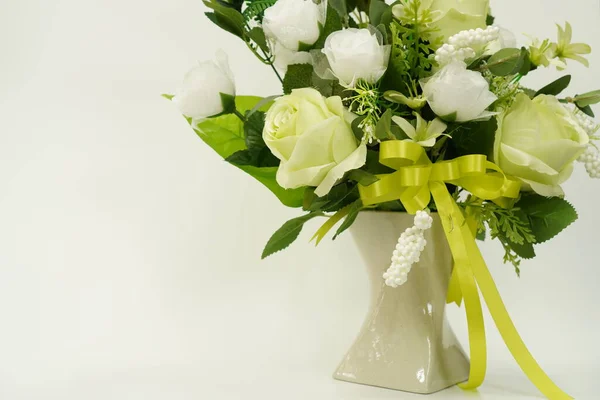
{"points": [[277, 73], [239, 115]]}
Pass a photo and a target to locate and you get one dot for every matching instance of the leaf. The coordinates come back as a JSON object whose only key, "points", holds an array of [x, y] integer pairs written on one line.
{"points": [[524, 250], [225, 135], [254, 157], [548, 216], [257, 35], [357, 206], [587, 110], [556, 87], [383, 127], [587, 99], [226, 18], [267, 176], [339, 6], [297, 76], [474, 137], [356, 129], [373, 165], [287, 234], [253, 129], [168, 96], [333, 23], [338, 197], [506, 62], [362, 177], [380, 13]]}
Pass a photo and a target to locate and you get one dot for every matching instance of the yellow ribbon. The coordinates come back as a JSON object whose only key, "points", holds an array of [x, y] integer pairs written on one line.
{"points": [[414, 183]]}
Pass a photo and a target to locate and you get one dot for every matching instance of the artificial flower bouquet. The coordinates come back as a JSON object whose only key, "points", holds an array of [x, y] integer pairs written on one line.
{"points": [[416, 106]]}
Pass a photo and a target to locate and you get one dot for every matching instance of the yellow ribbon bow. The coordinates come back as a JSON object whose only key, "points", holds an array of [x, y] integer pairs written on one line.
{"points": [[414, 182]]}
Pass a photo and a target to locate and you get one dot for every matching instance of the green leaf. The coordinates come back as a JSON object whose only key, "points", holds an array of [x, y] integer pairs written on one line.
{"points": [[253, 129], [226, 18], [268, 177], [339, 6], [380, 13], [524, 250], [556, 87], [356, 207], [374, 166], [473, 137], [362, 177], [548, 216], [333, 23], [254, 157], [329, 87], [527, 66], [587, 110], [587, 99], [255, 9], [506, 62], [490, 19], [297, 76], [338, 197], [383, 127], [356, 129], [287, 234], [225, 135], [168, 96], [257, 35]]}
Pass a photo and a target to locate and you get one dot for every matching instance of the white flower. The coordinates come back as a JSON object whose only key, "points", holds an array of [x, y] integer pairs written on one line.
{"points": [[426, 133], [294, 23], [355, 54], [313, 138], [456, 93], [200, 94]]}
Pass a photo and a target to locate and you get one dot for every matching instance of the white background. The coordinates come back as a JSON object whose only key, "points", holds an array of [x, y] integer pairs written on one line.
{"points": [[129, 252]]}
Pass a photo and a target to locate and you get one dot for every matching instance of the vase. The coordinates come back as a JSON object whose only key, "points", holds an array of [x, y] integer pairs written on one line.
{"points": [[406, 342]]}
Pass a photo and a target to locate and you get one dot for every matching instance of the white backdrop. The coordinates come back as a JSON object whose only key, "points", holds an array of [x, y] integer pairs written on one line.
{"points": [[130, 253]]}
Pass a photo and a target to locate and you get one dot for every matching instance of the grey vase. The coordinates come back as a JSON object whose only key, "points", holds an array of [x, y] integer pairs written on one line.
{"points": [[406, 342]]}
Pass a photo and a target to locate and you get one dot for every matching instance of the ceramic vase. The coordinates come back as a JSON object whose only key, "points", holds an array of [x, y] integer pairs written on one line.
{"points": [[406, 342]]}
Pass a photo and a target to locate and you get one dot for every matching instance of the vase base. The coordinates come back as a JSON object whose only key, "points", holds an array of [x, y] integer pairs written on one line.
{"points": [[424, 390]]}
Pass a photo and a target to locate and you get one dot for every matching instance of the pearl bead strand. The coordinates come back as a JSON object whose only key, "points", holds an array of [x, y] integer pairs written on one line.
{"points": [[408, 250]]}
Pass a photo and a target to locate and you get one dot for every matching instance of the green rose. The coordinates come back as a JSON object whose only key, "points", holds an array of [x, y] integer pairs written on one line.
{"points": [[453, 16], [537, 141], [313, 138]]}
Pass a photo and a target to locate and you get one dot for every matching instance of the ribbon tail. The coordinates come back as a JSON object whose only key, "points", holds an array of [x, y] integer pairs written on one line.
{"points": [[453, 220], [463, 244], [508, 331]]}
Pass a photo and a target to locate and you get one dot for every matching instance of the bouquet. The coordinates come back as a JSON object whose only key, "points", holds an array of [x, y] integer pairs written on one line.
{"points": [[416, 106]]}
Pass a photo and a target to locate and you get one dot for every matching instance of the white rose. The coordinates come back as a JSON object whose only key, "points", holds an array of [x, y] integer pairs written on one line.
{"points": [[453, 16], [537, 141], [294, 23], [459, 94], [355, 54], [200, 94], [312, 137]]}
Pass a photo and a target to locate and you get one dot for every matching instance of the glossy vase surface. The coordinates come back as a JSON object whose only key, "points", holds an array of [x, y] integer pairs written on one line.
{"points": [[406, 342]]}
